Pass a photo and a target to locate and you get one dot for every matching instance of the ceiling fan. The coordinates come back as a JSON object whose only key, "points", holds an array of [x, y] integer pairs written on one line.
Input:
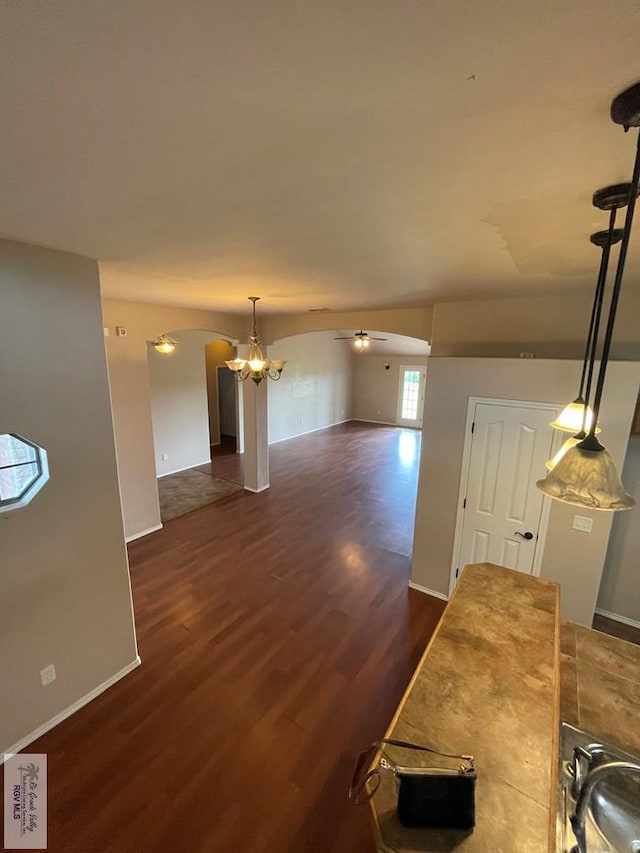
{"points": [[361, 339]]}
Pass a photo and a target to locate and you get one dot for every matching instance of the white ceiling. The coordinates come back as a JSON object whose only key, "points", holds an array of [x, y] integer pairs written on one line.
{"points": [[319, 154]]}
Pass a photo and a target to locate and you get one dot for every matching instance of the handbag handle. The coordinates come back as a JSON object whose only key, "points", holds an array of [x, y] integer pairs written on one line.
{"points": [[361, 775], [407, 745]]}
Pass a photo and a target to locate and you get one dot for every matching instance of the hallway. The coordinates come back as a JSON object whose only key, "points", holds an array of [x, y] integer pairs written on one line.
{"points": [[277, 634]]}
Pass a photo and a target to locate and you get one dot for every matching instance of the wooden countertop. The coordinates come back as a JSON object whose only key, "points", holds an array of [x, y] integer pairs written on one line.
{"points": [[488, 684]]}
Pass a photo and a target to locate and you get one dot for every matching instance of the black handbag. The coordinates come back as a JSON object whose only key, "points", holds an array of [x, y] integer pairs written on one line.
{"points": [[427, 796]]}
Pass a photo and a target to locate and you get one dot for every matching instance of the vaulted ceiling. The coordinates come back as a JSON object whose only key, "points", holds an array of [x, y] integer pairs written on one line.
{"points": [[320, 154]]}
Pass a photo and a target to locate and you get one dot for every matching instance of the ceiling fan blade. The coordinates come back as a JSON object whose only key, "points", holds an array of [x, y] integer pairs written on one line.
{"points": [[350, 338], [378, 339]]}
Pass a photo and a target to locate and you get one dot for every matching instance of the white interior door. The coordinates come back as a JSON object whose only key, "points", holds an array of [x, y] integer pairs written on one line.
{"points": [[501, 506], [411, 395]]}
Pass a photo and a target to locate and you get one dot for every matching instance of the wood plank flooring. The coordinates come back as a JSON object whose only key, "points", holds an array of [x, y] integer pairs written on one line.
{"points": [[277, 635]]}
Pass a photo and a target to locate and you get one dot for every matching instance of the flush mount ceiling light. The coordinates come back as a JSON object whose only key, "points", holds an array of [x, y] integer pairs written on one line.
{"points": [[361, 340], [164, 345], [256, 366], [587, 476]]}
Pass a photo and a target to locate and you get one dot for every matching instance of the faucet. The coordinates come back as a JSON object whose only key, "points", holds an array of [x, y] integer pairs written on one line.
{"points": [[590, 781]]}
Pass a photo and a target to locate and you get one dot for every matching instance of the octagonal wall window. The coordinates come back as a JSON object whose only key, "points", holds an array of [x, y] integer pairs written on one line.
{"points": [[23, 471]]}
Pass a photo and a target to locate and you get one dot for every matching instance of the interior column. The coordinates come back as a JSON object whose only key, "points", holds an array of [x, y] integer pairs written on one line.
{"points": [[255, 431]]}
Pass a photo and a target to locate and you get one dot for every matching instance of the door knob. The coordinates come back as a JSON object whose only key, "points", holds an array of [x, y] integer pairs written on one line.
{"points": [[528, 535]]}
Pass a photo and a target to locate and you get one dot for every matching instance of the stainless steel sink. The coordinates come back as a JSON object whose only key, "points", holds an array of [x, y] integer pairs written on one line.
{"points": [[612, 809]]}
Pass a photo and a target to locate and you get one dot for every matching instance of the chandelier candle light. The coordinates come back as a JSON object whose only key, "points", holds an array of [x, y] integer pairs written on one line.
{"points": [[587, 475], [256, 366]]}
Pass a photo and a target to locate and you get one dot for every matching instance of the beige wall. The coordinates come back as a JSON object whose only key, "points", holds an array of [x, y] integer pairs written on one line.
{"points": [[216, 353], [550, 327], [620, 588], [65, 596], [315, 388], [131, 397], [375, 389], [575, 559], [179, 408], [413, 322]]}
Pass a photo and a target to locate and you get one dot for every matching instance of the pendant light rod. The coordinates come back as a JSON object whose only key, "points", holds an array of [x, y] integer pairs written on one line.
{"points": [[253, 300], [594, 325], [591, 442]]}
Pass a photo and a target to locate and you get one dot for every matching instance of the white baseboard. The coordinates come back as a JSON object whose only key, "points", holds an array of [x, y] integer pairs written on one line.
{"points": [[144, 533], [309, 431], [618, 618], [369, 421], [186, 468], [88, 697], [256, 491], [426, 591]]}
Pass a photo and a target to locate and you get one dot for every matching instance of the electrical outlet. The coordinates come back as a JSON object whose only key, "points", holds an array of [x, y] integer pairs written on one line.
{"points": [[48, 674], [165, 456], [582, 523]]}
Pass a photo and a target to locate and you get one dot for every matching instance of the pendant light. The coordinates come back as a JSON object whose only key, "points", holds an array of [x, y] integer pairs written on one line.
{"points": [[576, 417], [587, 475], [609, 198]]}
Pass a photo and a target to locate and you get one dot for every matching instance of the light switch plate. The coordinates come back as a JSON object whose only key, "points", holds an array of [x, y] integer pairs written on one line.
{"points": [[581, 522]]}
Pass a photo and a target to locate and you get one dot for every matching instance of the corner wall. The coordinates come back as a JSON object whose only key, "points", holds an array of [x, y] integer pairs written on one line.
{"points": [[131, 396], [549, 326], [375, 389], [571, 557], [65, 597], [179, 409], [315, 388], [620, 588], [215, 353]]}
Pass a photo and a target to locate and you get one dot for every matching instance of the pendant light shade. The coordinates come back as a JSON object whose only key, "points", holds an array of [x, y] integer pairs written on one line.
{"points": [[569, 443], [573, 419], [588, 479]]}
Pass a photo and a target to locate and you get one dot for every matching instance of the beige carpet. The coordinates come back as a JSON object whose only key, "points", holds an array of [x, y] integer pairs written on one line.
{"points": [[188, 490]]}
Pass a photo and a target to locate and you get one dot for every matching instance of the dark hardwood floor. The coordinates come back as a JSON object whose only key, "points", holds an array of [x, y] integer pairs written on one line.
{"points": [[225, 462], [277, 635]]}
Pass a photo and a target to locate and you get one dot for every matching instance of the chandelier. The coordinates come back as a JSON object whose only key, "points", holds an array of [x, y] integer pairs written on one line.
{"points": [[256, 366]]}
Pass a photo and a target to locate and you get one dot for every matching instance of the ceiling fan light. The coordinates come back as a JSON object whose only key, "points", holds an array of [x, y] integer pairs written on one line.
{"points": [[588, 479], [570, 418]]}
